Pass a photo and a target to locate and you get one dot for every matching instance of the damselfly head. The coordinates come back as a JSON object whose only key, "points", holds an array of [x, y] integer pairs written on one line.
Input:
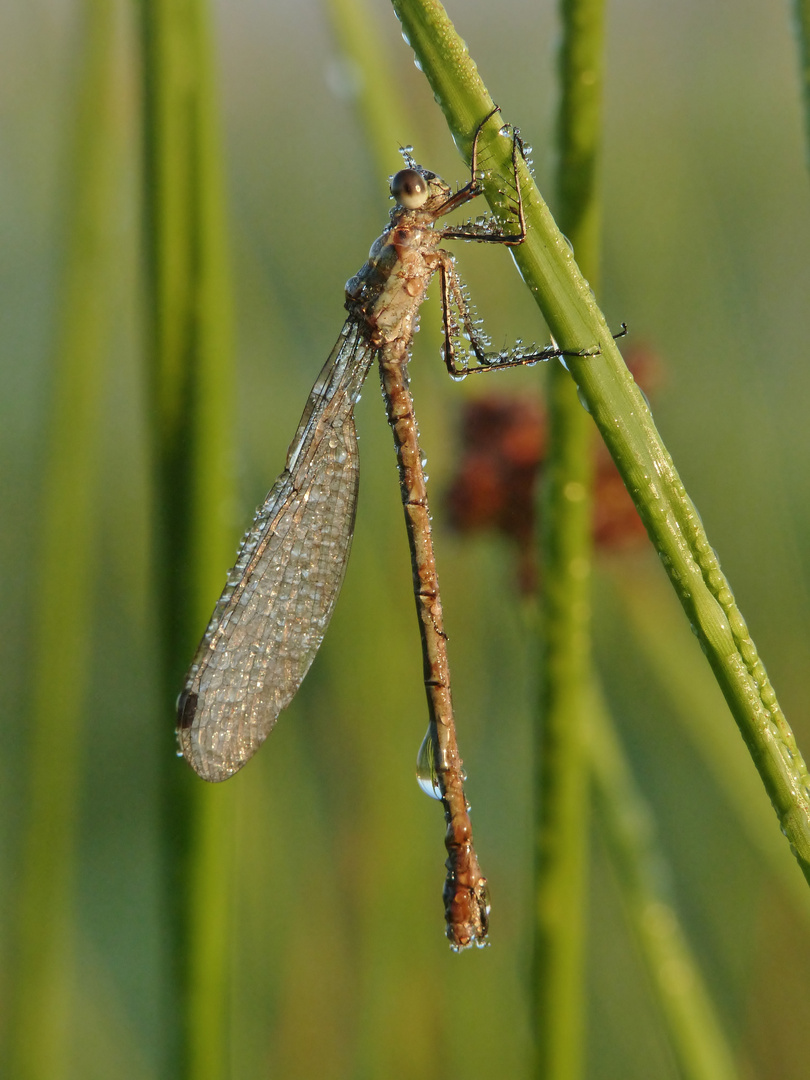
{"points": [[414, 187], [410, 188]]}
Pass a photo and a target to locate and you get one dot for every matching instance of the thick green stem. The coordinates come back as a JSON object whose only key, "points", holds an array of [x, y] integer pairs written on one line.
{"points": [[626, 425]]}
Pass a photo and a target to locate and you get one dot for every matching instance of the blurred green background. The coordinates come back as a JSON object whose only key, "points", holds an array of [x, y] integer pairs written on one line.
{"points": [[337, 964]]}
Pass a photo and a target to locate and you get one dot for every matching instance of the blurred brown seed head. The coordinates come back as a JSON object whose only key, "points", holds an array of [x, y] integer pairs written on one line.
{"points": [[503, 450]]}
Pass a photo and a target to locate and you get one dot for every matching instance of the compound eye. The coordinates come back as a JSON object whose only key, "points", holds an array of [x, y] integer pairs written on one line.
{"points": [[410, 189]]}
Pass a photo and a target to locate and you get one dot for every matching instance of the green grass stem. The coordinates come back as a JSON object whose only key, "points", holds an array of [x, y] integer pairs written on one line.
{"points": [[562, 791], [365, 55], [192, 408], [676, 664], [694, 1029], [801, 21], [63, 605], [626, 425]]}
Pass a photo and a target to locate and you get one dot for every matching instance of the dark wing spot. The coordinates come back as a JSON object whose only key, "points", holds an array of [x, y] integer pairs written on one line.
{"points": [[186, 709]]}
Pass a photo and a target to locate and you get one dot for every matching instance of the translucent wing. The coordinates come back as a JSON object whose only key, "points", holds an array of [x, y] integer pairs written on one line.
{"points": [[271, 618]]}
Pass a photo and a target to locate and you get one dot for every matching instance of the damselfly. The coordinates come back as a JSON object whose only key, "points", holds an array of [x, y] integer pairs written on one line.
{"points": [[272, 616]]}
